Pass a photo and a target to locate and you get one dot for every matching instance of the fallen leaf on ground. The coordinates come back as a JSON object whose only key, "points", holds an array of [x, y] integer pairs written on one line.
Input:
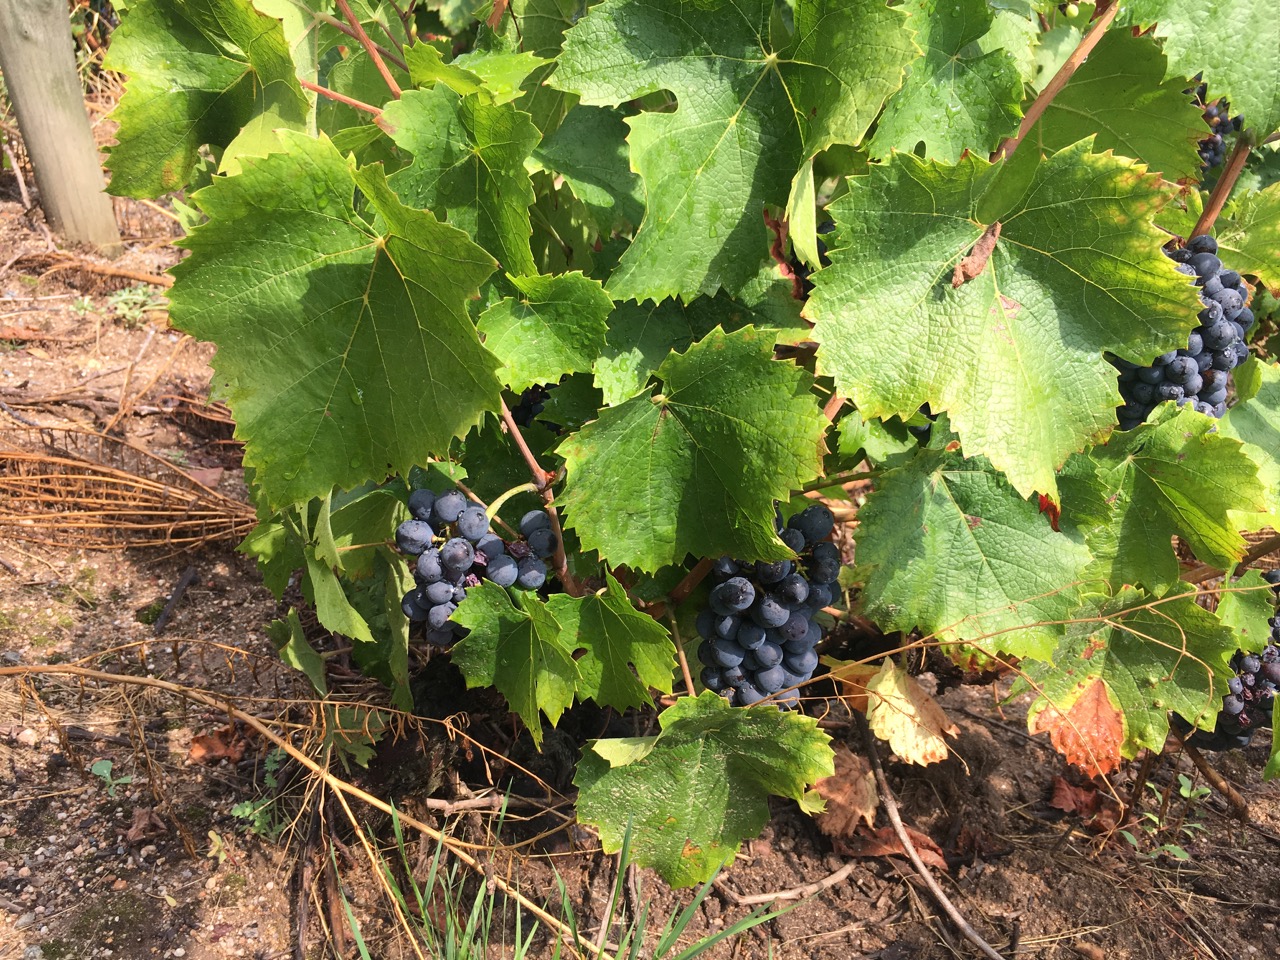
{"points": [[885, 843], [902, 714], [146, 823], [224, 744], [1101, 812], [850, 794]]}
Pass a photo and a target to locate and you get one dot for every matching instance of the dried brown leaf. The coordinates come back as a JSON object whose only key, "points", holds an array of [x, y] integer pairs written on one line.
{"points": [[850, 794]]}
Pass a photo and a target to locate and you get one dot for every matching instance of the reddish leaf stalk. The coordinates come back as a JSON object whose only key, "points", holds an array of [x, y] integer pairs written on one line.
{"points": [[542, 480], [1222, 189], [343, 28], [1054, 86], [834, 405], [370, 47], [684, 661], [340, 98]]}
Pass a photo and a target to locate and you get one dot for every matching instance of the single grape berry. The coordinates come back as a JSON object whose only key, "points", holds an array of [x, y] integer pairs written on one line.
{"points": [[449, 506], [534, 520], [421, 503], [542, 541], [532, 573], [457, 554], [473, 523], [414, 536]]}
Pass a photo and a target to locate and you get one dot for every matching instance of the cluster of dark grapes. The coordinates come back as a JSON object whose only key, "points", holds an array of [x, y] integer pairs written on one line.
{"points": [[759, 635], [454, 549], [1213, 148], [1250, 693], [531, 403], [1197, 375]]}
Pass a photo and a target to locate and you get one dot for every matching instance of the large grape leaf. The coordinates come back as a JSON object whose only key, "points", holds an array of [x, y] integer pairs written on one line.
{"points": [[557, 326], [589, 150], [947, 546], [1014, 354], [1234, 44], [689, 796], [1249, 235], [1254, 420], [1176, 474], [697, 467], [614, 637], [1246, 606], [518, 648], [1123, 665], [1120, 95], [750, 111], [345, 353], [468, 167], [199, 72], [955, 97]]}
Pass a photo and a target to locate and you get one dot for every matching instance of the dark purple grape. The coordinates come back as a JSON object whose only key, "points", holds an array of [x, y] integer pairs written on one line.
{"points": [[413, 606], [449, 506], [421, 503], [414, 536], [473, 523], [534, 520], [457, 554], [542, 542], [502, 570], [531, 573]]}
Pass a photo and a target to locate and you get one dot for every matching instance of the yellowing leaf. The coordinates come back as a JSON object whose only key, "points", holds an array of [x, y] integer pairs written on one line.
{"points": [[901, 713], [851, 681]]}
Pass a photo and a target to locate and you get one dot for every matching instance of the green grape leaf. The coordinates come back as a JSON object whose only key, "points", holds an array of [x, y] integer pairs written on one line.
{"points": [[1014, 354], [641, 335], [1246, 606], [200, 72], [1123, 665], [519, 649], [345, 353], [1272, 769], [1120, 94], [1175, 474], [427, 67], [615, 638], [689, 796], [1249, 235], [589, 150], [502, 73], [556, 327], [696, 468], [333, 609], [1254, 420], [749, 114], [955, 97], [1015, 30], [468, 167], [291, 644], [939, 514], [877, 440], [1244, 70], [494, 464]]}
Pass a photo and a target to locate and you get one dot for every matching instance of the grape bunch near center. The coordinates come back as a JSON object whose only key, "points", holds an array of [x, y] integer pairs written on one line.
{"points": [[759, 635], [454, 548]]}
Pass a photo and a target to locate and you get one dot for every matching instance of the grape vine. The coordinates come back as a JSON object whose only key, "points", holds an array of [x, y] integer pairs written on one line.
{"points": [[963, 282]]}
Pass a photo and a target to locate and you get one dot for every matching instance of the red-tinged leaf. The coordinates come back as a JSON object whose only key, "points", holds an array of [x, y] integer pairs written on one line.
{"points": [[1051, 509], [1091, 732]]}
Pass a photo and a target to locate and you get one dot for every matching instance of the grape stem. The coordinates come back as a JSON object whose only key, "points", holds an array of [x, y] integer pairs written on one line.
{"points": [[684, 661], [1222, 189], [370, 47], [494, 507], [340, 98], [839, 480], [1054, 86], [475, 498], [542, 484], [343, 28], [1257, 551], [891, 808]]}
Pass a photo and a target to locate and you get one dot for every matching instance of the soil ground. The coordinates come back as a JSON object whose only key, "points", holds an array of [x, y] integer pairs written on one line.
{"points": [[145, 858]]}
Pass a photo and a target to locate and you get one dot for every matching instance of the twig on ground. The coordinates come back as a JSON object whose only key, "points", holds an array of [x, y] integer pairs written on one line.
{"points": [[102, 269], [187, 579], [891, 808], [794, 893], [17, 173], [1054, 86], [122, 405]]}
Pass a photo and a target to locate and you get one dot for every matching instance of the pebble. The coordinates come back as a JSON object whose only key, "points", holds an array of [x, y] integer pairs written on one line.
{"points": [[24, 921], [180, 952]]}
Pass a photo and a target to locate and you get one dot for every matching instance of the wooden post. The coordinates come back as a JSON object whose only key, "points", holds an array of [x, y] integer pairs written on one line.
{"points": [[39, 68]]}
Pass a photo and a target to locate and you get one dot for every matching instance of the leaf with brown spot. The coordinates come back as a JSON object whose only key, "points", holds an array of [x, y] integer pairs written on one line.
{"points": [[1090, 733], [850, 794], [976, 260], [910, 720]]}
